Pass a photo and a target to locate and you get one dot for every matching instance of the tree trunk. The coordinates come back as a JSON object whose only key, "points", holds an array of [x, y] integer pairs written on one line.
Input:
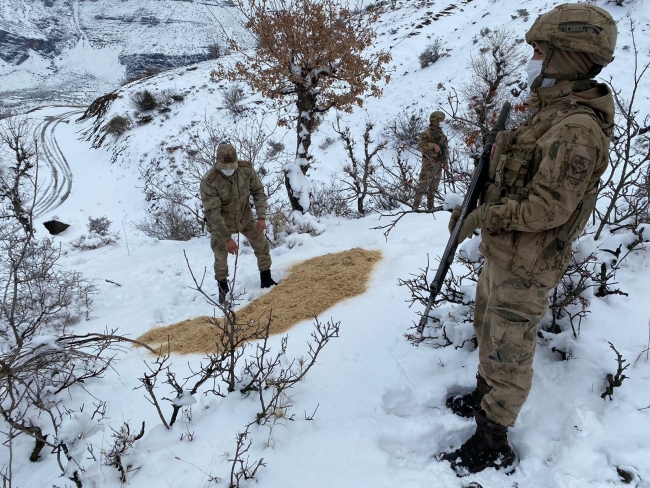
{"points": [[295, 179]]}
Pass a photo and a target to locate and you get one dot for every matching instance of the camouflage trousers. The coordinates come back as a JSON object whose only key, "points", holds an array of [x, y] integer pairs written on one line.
{"points": [[428, 183], [508, 311], [258, 242]]}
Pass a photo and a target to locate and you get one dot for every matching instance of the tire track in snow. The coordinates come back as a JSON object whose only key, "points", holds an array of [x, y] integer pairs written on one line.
{"points": [[58, 188]]}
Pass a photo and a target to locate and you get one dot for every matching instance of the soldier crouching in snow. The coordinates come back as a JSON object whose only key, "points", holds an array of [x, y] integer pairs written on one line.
{"points": [[544, 178], [225, 192]]}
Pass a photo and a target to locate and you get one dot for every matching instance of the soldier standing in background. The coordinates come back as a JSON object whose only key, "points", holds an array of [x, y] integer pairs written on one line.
{"points": [[543, 184], [225, 192], [433, 146]]}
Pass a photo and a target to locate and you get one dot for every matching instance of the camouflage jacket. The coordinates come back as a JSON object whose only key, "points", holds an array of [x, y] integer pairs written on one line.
{"points": [[433, 135], [226, 199], [544, 178]]}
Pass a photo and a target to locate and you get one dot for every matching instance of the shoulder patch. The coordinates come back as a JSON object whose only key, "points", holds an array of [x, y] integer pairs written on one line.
{"points": [[577, 171]]}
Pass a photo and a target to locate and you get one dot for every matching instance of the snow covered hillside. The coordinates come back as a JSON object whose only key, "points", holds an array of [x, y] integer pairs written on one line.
{"points": [[381, 414], [74, 50]]}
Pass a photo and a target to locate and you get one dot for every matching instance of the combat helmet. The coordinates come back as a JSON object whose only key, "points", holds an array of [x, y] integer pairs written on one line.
{"points": [[575, 27], [437, 115], [226, 157]]}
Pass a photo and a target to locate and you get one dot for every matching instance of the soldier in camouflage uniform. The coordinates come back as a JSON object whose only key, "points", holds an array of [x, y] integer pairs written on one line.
{"points": [[225, 192], [433, 146], [542, 189]]}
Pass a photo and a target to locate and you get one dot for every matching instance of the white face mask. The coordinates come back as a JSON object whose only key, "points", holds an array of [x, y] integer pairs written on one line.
{"points": [[534, 69], [228, 172]]}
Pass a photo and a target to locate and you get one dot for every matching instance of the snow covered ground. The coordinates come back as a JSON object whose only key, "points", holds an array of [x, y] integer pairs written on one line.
{"points": [[381, 414], [72, 51]]}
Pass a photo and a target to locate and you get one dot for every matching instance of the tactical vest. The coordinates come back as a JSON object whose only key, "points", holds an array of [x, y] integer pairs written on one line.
{"points": [[514, 162]]}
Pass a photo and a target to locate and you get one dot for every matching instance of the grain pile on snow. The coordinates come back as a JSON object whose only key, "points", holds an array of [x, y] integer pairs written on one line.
{"points": [[311, 288]]}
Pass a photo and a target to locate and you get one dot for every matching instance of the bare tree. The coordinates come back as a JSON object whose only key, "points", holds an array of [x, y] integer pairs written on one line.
{"points": [[626, 189], [358, 172], [310, 54], [19, 171], [494, 80]]}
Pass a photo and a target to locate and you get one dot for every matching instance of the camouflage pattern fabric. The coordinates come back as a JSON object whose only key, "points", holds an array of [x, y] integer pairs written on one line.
{"points": [[508, 311], [544, 181], [432, 165], [258, 242], [227, 210], [577, 27]]}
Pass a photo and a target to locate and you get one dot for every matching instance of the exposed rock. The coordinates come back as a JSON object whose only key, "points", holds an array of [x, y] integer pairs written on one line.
{"points": [[143, 64], [55, 227], [14, 49]]}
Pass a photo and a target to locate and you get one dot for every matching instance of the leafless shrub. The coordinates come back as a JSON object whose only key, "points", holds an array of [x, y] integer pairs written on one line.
{"points": [[626, 189], [99, 225], [328, 199], [18, 171], [453, 303], [144, 119], [327, 142], [118, 125], [432, 53], [170, 218], [403, 130], [214, 50], [278, 228], [495, 69], [118, 455], [168, 96], [274, 149], [241, 467], [233, 96], [144, 100], [605, 274], [358, 172], [393, 184], [569, 301], [615, 380]]}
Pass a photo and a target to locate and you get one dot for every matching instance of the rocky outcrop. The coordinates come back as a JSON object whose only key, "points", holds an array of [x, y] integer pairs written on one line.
{"points": [[14, 48], [143, 64]]}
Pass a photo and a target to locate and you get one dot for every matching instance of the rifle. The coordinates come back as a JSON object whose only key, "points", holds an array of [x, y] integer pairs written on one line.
{"points": [[469, 203]]}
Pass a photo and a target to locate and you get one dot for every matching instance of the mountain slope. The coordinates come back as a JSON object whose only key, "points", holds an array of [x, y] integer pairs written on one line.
{"points": [[381, 415]]}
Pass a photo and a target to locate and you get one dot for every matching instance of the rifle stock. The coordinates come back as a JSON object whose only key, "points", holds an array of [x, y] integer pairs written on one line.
{"points": [[469, 204]]}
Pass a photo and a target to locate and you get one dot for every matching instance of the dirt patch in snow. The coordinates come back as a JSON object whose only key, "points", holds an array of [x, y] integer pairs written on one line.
{"points": [[311, 288]]}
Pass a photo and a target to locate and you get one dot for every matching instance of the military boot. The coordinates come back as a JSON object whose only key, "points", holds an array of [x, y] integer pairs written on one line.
{"points": [[487, 448], [265, 279], [464, 405], [224, 288]]}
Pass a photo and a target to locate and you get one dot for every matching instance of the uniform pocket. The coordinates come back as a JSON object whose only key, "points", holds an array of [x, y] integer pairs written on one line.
{"points": [[508, 344]]}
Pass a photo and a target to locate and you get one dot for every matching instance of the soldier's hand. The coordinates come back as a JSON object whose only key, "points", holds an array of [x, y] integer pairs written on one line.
{"points": [[454, 218], [436, 148], [231, 246], [261, 225], [473, 221]]}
